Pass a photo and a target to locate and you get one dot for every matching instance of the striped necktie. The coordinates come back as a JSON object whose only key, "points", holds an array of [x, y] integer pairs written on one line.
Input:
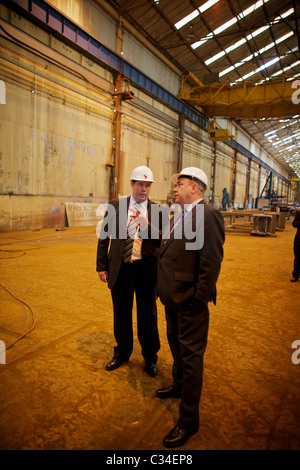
{"points": [[128, 244]]}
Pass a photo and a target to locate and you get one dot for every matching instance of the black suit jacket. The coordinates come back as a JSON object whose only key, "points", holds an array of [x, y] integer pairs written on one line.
{"points": [[110, 244], [187, 274], [296, 224]]}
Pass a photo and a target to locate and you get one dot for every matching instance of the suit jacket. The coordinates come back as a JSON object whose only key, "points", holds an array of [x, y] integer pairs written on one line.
{"points": [[111, 241], [187, 274], [296, 224]]}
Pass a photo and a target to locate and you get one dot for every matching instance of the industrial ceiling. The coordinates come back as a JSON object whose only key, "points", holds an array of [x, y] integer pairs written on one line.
{"points": [[234, 42]]}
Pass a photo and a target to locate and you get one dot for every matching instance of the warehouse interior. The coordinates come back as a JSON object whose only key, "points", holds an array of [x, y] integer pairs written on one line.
{"points": [[90, 89]]}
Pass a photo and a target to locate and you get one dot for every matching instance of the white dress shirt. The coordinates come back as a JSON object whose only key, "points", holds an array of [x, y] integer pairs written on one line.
{"points": [[137, 244]]}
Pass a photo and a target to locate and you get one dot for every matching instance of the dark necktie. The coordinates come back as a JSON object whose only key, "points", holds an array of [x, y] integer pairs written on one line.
{"points": [[128, 244], [173, 228]]}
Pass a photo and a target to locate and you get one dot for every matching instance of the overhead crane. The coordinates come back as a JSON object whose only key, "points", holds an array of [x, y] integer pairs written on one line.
{"points": [[252, 100]]}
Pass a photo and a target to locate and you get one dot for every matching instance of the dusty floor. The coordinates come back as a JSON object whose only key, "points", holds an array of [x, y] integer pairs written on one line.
{"points": [[55, 393]]}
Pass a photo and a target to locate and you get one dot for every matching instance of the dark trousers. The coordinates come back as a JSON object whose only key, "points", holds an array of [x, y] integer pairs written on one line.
{"points": [[187, 330], [135, 278], [296, 271]]}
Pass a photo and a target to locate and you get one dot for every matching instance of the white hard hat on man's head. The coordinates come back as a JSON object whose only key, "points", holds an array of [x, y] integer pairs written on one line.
{"points": [[142, 173], [192, 173]]}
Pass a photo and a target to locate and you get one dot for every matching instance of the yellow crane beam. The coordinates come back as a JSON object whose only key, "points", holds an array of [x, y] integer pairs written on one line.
{"points": [[269, 99]]}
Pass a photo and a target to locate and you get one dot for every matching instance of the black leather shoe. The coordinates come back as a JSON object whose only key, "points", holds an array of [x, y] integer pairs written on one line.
{"points": [[114, 364], [151, 369], [169, 392], [294, 279], [177, 437]]}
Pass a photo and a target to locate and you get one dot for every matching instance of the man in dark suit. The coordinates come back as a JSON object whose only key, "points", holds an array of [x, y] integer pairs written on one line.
{"points": [[296, 270], [127, 260], [188, 268]]}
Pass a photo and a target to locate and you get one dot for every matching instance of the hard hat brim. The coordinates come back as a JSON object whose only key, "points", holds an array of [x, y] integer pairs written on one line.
{"points": [[174, 178], [140, 179]]}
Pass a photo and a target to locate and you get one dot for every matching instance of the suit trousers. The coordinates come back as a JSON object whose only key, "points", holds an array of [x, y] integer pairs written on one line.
{"points": [[187, 331], [296, 270], [135, 278]]}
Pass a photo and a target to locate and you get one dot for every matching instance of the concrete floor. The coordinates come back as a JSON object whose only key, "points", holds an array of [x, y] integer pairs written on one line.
{"points": [[56, 394]]}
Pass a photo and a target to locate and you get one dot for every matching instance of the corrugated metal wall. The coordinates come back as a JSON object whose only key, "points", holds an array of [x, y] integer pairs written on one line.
{"points": [[56, 133], [224, 176], [145, 61], [147, 141], [56, 146]]}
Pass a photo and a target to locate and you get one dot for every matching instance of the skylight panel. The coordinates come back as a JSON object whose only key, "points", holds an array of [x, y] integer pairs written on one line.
{"points": [[250, 9], [284, 15], [257, 32], [271, 132], [207, 5], [235, 46], [264, 66], [187, 19], [195, 13], [248, 75], [227, 50], [229, 69], [291, 147], [252, 36], [255, 54], [229, 23], [226, 25], [215, 57], [286, 68], [293, 78], [235, 66], [283, 38]]}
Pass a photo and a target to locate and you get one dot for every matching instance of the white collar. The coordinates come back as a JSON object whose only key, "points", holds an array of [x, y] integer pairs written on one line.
{"points": [[189, 207], [143, 205]]}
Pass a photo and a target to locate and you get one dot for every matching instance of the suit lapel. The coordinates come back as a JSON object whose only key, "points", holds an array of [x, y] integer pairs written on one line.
{"points": [[190, 217], [122, 216], [165, 243], [149, 210]]}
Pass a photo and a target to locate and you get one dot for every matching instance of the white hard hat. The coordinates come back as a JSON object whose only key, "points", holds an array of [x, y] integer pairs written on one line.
{"points": [[142, 173], [191, 173]]}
